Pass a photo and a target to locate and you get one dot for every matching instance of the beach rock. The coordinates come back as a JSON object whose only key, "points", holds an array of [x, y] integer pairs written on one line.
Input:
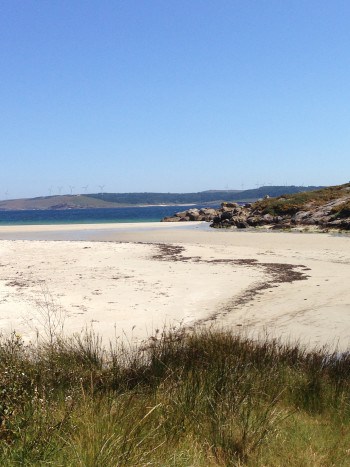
{"points": [[254, 221], [240, 223], [277, 219], [335, 223], [301, 216], [345, 224], [309, 221], [268, 218], [226, 215], [193, 215], [208, 211]]}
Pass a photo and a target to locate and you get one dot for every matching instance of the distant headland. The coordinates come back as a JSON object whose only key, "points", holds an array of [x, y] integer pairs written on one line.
{"points": [[116, 200]]}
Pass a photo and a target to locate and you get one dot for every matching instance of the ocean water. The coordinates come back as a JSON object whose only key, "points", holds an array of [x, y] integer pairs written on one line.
{"points": [[90, 216]]}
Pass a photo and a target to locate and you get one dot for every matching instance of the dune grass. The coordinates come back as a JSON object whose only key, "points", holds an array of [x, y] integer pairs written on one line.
{"points": [[206, 398]]}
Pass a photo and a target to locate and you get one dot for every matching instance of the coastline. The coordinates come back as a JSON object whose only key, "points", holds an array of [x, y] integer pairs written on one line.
{"points": [[293, 286]]}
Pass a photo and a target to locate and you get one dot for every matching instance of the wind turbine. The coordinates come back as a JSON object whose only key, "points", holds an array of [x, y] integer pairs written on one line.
{"points": [[101, 187], [85, 188], [50, 190], [71, 189], [59, 188], [6, 193]]}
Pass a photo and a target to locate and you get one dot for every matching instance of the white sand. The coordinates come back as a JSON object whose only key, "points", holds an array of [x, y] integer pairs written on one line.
{"points": [[121, 290]]}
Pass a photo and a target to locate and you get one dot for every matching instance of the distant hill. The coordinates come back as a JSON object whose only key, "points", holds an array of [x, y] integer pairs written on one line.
{"points": [[55, 202], [114, 200], [209, 196]]}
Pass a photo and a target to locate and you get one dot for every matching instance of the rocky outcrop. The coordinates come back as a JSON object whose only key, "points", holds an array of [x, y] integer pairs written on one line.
{"points": [[327, 216], [204, 214], [230, 214]]}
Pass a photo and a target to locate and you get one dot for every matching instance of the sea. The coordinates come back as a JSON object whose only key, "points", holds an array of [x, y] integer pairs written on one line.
{"points": [[91, 216]]}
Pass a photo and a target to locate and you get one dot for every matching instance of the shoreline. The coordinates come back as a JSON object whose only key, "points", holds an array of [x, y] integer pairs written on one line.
{"points": [[184, 275]]}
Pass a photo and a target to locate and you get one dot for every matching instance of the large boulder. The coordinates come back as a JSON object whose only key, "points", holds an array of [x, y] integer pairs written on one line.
{"points": [[208, 211], [181, 214]]}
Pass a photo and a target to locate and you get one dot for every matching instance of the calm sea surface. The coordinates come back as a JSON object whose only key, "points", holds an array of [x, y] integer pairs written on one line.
{"points": [[90, 216]]}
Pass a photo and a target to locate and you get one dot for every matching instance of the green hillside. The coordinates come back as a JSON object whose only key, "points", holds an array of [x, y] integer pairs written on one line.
{"points": [[209, 196], [293, 203]]}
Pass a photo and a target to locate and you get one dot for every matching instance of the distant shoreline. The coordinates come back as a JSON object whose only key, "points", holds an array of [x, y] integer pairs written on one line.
{"points": [[103, 207], [131, 214]]}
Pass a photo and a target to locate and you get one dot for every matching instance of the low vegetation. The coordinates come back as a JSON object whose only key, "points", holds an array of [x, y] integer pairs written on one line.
{"points": [[208, 398], [292, 203]]}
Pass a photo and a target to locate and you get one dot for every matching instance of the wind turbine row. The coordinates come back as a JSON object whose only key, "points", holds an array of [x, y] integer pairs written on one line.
{"points": [[59, 189], [71, 189]]}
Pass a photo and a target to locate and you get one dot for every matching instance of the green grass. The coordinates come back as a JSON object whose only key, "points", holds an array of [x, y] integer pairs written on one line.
{"points": [[291, 204], [208, 398]]}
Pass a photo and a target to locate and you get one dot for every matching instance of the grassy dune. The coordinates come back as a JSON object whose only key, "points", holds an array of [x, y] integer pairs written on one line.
{"points": [[209, 398]]}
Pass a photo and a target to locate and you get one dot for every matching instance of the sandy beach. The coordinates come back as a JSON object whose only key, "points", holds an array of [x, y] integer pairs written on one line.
{"points": [[128, 280]]}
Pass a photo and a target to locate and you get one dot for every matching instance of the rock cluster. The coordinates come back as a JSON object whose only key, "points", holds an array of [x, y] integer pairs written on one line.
{"points": [[204, 214], [241, 217], [229, 215], [249, 215]]}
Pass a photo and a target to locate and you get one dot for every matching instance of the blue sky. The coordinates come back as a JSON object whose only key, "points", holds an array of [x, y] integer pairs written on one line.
{"points": [[173, 95]]}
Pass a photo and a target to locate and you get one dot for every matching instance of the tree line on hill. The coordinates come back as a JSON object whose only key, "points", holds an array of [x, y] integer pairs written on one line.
{"points": [[209, 196]]}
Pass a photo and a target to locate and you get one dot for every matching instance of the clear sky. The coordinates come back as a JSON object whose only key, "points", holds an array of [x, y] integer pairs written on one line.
{"points": [[173, 95]]}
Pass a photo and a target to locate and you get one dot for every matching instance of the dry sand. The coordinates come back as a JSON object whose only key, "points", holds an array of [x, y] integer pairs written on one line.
{"points": [[127, 280]]}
